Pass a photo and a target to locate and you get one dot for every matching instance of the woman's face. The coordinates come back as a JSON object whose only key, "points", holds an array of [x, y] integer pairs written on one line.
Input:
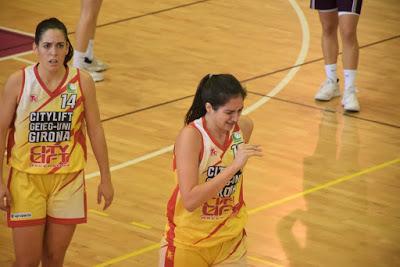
{"points": [[52, 49], [226, 116]]}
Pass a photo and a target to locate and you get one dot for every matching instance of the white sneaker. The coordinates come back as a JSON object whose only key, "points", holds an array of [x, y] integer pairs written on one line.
{"points": [[350, 101], [95, 65], [96, 76], [328, 90]]}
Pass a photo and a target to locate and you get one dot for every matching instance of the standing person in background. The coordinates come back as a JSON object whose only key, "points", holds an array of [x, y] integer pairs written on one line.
{"points": [[342, 14], [46, 110], [206, 212], [85, 33]]}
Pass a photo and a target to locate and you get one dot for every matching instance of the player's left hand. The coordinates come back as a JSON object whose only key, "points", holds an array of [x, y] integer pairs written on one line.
{"points": [[105, 190]]}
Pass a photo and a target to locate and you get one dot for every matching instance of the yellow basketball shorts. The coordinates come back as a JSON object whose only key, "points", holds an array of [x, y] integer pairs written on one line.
{"points": [[230, 253], [40, 198]]}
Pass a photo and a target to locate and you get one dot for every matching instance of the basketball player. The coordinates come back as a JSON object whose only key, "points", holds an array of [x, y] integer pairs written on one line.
{"points": [[85, 32], [206, 212], [342, 14], [48, 107]]}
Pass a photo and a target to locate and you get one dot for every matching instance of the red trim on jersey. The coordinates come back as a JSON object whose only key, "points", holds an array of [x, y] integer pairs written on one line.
{"points": [[44, 86], [169, 256], [224, 146], [170, 215], [9, 190], [10, 143], [22, 86], [216, 229], [79, 82], [84, 194], [25, 223], [66, 221], [202, 141]]}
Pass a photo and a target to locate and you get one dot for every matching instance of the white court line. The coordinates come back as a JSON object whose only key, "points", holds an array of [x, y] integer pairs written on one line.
{"points": [[279, 87], [300, 60], [17, 31], [134, 161], [14, 56], [24, 60]]}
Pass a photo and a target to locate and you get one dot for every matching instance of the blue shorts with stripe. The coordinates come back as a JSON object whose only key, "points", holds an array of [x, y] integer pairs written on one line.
{"points": [[342, 6]]}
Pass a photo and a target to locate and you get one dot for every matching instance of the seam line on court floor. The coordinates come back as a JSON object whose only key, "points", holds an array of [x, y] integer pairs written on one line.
{"points": [[348, 114], [120, 20], [258, 77], [267, 206]]}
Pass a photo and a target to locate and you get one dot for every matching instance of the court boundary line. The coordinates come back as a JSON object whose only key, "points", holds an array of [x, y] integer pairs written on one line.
{"points": [[17, 31]]}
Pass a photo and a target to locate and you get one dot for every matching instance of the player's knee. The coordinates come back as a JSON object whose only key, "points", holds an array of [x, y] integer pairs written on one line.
{"points": [[329, 29], [53, 257], [348, 35]]}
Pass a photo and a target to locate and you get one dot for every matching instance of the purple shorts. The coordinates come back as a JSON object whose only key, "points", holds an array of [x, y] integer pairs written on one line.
{"points": [[342, 6]]}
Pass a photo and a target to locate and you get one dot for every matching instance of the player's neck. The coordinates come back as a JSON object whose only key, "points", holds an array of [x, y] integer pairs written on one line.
{"points": [[51, 78]]}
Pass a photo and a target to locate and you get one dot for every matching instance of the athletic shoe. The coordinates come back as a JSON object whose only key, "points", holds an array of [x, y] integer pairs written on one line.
{"points": [[94, 65], [349, 100], [328, 90]]}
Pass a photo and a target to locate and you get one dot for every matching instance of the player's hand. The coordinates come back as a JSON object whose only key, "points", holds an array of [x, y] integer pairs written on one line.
{"points": [[5, 197], [244, 152], [106, 191]]}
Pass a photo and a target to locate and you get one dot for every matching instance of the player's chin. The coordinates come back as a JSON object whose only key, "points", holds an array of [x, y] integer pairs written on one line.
{"points": [[229, 126]]}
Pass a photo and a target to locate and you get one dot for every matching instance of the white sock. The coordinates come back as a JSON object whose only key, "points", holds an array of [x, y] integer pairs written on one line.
{"points": [[89, 50], [79, 59], [330, 71], [349, 78]]}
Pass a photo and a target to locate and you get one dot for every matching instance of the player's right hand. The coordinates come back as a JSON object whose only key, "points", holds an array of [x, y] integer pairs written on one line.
{"points": [[5, 197], [244, 152]]}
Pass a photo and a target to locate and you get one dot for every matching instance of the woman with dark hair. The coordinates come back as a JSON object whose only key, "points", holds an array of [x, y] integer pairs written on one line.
{"points": [[206, 212], [46, 110]]}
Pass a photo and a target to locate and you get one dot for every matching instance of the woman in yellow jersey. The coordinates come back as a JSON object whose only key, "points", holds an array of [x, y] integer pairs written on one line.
{"points": [[46, 110], [206, 212]]}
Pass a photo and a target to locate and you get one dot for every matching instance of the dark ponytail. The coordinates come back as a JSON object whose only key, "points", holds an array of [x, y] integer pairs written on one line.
{"points": [[216, 89], [54, 23]]}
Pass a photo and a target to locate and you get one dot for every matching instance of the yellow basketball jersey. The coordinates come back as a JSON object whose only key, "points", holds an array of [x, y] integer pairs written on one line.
{"points": [[220, 218], [47, 135]]}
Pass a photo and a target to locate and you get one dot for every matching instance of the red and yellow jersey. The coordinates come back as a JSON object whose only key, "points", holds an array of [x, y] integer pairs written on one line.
{"points": [[220, 218], [48, 135]]}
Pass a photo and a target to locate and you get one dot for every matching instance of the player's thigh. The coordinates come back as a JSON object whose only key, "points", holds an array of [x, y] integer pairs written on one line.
{"points": [[57, 238], [28, 244]]}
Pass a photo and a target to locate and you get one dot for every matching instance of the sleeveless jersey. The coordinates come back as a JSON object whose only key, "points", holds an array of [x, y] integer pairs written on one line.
{"points": [[48, 135], [221, 218]]}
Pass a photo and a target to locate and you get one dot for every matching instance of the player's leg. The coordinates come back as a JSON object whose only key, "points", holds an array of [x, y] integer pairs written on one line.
{"points": [[85, 31], [348, 20], [28, 241], [26, 216], [66, 208], [328, 16], [56, 241]]}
